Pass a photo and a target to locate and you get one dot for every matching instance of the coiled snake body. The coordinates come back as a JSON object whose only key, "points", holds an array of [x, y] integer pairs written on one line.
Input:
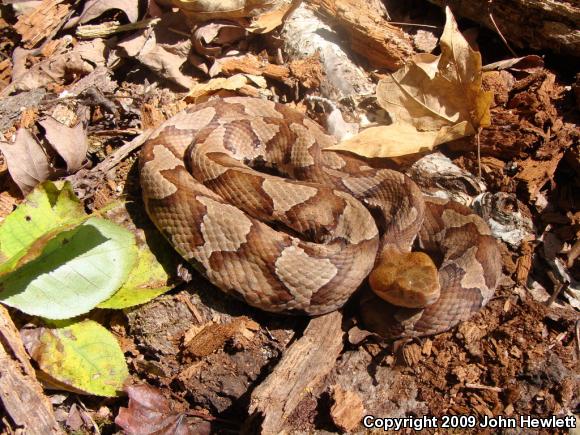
{"points": [[304, 243]]}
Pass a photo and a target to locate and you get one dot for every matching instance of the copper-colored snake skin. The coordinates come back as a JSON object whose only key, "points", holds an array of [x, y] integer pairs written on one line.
{"points": [[324, 234]]}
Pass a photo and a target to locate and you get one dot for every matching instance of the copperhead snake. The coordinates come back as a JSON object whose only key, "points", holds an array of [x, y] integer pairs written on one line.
{"points": [[242, 189]]}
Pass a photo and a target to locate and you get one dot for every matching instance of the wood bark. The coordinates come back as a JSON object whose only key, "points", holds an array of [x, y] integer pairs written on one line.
{"points": [[371, 36], [535, 24], [20, 393], [304, 364]]}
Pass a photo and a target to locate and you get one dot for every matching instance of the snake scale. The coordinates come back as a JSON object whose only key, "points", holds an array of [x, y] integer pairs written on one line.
{"points": [[243, 189]]}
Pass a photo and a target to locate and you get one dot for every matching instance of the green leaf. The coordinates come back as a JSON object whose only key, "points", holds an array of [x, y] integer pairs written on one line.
{"points": [[82, 357], [48, 207], [154, 273], [147, 281], [76, 270]]}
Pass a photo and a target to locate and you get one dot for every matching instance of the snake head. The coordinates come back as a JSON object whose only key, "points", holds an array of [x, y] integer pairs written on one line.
{"points": [[405, 279]]}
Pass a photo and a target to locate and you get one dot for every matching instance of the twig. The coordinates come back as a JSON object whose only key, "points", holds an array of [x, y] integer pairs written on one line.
{"points": [[499, 32], [95, 425], [89, 31], [117, 132], [414, 25], [192, 308], [578, 338], [483, 387], [558, 287], [119, 155], [478, 154]]}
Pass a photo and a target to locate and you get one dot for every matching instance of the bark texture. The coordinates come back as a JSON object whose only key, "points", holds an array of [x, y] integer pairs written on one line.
{"points": [[537, 24]]}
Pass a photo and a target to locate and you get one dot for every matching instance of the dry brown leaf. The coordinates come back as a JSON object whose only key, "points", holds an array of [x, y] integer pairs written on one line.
{"points": [[82, 60], [161, 49], [222, 9], [95, 8], [398, 140], [232, 83], [433, 100], [149, 412], [268, 21], [27, 162], [531, 61], [210, 39], [69, 142]]}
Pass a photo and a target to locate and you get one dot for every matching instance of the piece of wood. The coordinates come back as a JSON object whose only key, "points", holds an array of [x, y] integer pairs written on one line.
{"points": [[304, 364], [536, 24], [347, 411], [371, 36], [41, 22], [20, 393]]}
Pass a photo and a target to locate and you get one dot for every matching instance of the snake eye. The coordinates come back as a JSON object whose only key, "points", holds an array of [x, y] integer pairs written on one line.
{"points": [[406, 279]]}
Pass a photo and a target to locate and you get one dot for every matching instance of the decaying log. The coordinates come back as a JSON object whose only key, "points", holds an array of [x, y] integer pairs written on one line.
{"points": [[304, 364], [536, 24], [371, 36], [305, 34], [20, 393]]}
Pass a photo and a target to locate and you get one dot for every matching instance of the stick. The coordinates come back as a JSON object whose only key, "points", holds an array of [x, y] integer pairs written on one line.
{"points": [[304, 364]]}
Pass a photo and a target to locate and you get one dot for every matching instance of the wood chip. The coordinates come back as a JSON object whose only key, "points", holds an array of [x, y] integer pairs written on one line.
{"points": [[5, 73], [348, 409], [214, 335], [40, 23], [412, 354]]}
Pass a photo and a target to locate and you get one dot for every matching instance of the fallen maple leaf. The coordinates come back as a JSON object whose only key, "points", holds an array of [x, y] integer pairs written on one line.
{"points": [[432, 100], [149, 412], [26, 160]]}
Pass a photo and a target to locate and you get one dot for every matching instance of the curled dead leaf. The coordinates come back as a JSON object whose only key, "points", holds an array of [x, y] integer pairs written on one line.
{"points": [[27, 162], [69, 142], [265, 15], [95, 8], [220, 9], [234, 83], [163, 49], [150, 412], [211, 38]]}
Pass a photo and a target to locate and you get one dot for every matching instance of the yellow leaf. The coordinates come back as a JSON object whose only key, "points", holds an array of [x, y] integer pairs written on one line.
{"points": [[232, 83], [400, 139], [268, 21]]}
